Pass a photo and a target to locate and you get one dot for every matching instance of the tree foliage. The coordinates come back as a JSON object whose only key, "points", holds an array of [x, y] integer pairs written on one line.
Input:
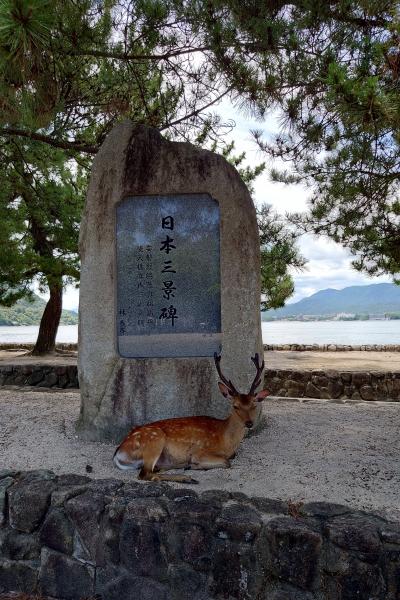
{"points": [[41, 200], [69, 70], [333, 71], [279, 257]]}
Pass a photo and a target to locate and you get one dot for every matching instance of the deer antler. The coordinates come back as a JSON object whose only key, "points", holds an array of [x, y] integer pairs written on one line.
{"points": [[229, 384], [257, 378]]}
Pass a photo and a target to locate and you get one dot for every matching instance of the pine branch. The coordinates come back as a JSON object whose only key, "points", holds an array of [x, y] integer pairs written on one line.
{"points": [[46, 139]]}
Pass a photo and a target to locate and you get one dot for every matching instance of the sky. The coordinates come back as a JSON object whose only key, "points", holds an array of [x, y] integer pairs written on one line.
{"points": [[328, 264]]}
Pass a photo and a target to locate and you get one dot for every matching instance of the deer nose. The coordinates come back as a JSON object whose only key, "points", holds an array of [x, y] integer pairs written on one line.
{"points": [[249, 424]]}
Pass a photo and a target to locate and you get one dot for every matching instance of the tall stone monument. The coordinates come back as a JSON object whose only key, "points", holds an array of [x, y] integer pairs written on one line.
{"points": [[170, 274]]}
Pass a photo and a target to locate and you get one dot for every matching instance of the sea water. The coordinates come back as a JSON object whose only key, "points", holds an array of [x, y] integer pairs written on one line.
{"points": [[275, 332]]}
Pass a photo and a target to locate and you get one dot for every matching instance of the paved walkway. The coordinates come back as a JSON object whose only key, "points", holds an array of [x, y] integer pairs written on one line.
{"points": [[340, 361], [23, 357], [316, 450]]}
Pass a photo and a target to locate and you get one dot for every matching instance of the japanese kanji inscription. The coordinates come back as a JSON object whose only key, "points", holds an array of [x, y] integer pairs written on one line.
{"points": [[168, 276]]}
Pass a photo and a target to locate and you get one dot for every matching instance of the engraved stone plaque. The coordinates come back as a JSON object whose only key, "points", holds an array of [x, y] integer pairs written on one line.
{"points": [[168, 276]]}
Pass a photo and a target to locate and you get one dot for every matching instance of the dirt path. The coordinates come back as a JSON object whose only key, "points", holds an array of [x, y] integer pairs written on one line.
{"points": [[346, 453]]}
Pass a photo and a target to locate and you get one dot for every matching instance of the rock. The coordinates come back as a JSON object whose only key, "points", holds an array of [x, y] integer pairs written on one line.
{"points": [[36, 376], [108, 550], [188, 534], [28, 503], [85, 511], [64, 577], [345, 376], [126, 587], [135, 160], [49, 380], [320, 381], [57, 532], [184, 582], [367, 393], [359, 379], [312, 391], [19, 546], [295, 388], [239, 522], [286, 592], [324, 509], [270, 506], [5, 483], [140, 539], [357, 534], [233, 570], [355, 579], [19, 576], [335, 388], [63, 381], [294, 551], [7, 473]]}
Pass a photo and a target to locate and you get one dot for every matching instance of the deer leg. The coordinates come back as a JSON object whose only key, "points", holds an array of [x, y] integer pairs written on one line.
{"points": [[208, 461], [151, 455]]}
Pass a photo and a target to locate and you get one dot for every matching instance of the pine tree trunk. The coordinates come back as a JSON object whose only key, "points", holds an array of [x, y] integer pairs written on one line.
{"points": [[46, 340]]}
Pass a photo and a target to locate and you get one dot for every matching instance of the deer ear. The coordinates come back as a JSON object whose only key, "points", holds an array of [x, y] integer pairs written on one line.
{"points": [[261, 395], [225, 391]]}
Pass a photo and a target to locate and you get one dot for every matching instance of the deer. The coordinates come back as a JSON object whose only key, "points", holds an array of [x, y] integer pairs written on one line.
{"points": [[192, 442]]}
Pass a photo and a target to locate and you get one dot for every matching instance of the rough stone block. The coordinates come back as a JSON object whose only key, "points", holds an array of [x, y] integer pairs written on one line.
{"points": [[184, 582], [5, 484], [19, 546], [57, 532], [140, 539], [49, 380], [356, 580], [361, 378], [295, 388], [127, 587], [17, 576], [85, 511], [357, 534], [63, 577], [36, 376], [367, 393], [136, 160], [28, 503], [320, 381], [233, 571], [312, 391], [294, 550], [239, 522], [335, 388]]}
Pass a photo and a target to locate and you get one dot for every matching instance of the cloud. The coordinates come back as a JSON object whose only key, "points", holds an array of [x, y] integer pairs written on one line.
{"points": [[328, 267]]}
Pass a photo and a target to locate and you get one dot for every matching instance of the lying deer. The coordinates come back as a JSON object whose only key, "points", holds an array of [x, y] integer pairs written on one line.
{"points": [[192, 442]]}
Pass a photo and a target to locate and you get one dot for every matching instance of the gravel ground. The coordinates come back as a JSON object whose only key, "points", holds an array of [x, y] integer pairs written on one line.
{"points": [[315, 450]]}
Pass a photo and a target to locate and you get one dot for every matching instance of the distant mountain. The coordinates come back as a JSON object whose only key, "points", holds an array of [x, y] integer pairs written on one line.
{"points": [[25, 312], [375, 299]]}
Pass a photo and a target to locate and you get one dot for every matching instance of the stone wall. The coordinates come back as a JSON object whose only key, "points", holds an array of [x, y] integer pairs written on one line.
{"points": [[330, 384], [27, 346], [71, 537], [334, 347], [39, 375]]}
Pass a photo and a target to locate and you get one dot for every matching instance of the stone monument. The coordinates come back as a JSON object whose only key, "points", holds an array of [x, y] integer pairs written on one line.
{"points": [[170, 274]]}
